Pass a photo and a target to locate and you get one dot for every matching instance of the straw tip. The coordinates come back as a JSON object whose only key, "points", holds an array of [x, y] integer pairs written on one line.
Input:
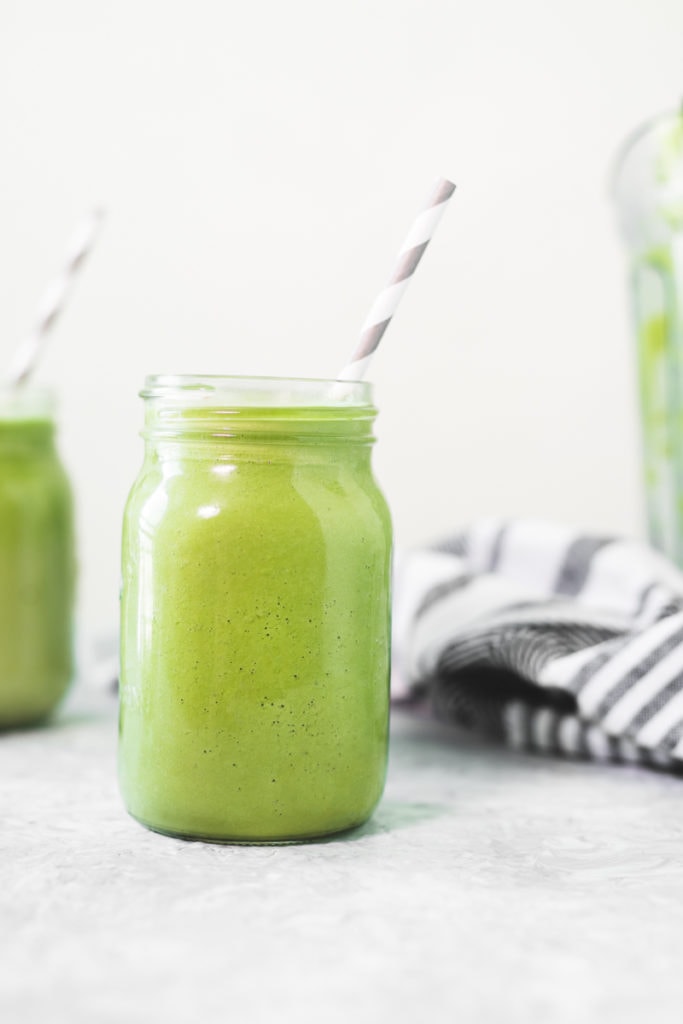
{"points": [[446, 187]]}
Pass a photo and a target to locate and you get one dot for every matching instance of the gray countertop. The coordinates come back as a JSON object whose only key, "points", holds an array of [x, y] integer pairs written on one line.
{"points": [[489, 886]]}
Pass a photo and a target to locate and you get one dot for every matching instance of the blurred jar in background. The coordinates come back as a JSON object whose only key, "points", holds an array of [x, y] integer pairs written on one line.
{"points": [[648, 189], [37, 563]]}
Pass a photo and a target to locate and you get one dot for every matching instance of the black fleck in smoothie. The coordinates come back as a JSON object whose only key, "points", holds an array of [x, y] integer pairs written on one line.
{"points": [[255, 613], [36, 563]]}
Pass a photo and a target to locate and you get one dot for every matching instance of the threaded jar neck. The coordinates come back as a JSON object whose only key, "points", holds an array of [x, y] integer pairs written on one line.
{"points": [[259, 409]]}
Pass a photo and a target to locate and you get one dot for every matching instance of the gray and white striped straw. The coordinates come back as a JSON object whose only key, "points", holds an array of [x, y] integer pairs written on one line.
{"points": [[386, 303], [54, 300]]}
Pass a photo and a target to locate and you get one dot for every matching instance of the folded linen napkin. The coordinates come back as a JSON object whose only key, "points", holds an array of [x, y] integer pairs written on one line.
{"points": [[548, 639]]}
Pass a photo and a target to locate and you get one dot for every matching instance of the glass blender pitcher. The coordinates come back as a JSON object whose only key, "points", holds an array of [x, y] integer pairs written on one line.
{"points": [[648, 190]]}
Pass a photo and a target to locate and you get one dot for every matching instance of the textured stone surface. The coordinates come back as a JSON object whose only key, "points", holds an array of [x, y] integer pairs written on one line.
{"points": [[489, 886]]}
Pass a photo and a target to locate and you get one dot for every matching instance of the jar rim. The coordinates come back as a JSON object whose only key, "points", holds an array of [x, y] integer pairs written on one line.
{"points": [[256, 391], [640, 133]]}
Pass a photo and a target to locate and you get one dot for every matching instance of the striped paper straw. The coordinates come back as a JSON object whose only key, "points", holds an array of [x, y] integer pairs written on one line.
{"points": [[386, 303], [54, 299]]}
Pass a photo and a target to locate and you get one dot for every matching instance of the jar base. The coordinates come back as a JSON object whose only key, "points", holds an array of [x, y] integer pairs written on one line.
{"points": [[24, 723], [194, 837]]}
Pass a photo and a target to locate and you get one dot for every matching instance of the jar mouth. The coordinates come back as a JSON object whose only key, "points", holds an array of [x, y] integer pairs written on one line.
{"points": [[252, 392], [646, 181]]}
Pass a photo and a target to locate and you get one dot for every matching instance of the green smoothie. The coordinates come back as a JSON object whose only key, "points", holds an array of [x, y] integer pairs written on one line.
{"points": [[36, 564], [255, 621]]}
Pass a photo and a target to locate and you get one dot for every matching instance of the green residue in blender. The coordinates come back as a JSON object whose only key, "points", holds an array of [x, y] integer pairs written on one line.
{"points": [[668, 173]]}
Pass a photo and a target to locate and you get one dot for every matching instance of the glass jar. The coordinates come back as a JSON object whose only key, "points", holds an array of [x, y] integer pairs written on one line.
{"points": [[648, 190], [37, 565], [255, 612]]}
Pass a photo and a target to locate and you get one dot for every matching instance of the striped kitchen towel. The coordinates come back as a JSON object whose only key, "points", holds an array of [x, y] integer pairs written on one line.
{"points": [[547, 639]]}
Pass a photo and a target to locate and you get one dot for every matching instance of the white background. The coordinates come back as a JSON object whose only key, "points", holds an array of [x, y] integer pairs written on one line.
{"points": [[260, 163]]}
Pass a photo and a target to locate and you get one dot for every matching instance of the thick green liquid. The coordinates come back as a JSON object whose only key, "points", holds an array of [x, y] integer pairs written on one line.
{"points": [[255, 642], [36, 574]]}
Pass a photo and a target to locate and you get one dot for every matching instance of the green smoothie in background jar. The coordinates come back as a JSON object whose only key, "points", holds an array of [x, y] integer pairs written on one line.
{"points": [[255, 612], [36, 561]]}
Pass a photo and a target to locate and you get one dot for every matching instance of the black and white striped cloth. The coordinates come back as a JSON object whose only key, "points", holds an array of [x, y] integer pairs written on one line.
{"points": [[549, 640]]}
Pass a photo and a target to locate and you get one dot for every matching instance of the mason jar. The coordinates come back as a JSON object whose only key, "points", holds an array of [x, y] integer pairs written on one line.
{"points": [[255, 611], [37, 565]]}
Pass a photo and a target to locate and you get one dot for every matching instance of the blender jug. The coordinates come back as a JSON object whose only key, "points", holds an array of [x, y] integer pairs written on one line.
{"points": [[648, 190]]}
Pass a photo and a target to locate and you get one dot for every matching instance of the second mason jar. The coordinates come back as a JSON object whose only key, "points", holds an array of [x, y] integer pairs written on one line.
{"points": [[255, 612], [37, 561]]}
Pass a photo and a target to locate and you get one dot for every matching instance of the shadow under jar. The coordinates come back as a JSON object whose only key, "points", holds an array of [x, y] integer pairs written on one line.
{"points": [[37, 561], [255, 612]]}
